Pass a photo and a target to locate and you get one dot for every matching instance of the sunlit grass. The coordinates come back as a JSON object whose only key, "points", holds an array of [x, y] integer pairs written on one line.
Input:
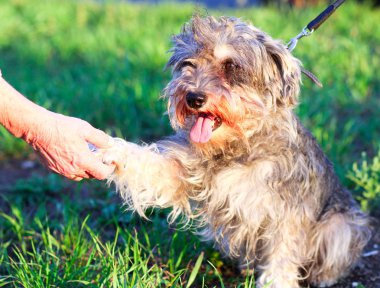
{"points": [[104, 63], [54, 243]]}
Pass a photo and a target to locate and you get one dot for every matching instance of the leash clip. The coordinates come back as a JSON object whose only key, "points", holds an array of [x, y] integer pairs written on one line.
{"points": [[293, 42]]}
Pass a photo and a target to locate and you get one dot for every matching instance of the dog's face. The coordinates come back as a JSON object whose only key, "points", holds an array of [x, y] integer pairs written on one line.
{"points": [[226, 73]]}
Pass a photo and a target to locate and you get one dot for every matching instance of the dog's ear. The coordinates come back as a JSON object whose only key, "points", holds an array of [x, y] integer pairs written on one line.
{"points": [[287, 72]]}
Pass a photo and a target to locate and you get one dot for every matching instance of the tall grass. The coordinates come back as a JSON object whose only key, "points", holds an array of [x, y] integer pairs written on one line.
{"points": [[103, 62]]}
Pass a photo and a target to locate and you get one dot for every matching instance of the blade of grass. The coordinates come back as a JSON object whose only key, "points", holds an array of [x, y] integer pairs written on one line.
{"points": [[195, 271]]}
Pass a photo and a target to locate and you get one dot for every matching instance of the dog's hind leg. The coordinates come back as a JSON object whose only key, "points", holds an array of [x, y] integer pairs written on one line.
{"points": [[337, 242], [145, 177]]}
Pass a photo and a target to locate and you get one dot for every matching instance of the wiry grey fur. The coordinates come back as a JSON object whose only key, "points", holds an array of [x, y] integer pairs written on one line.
{"points": [[261, 188]]}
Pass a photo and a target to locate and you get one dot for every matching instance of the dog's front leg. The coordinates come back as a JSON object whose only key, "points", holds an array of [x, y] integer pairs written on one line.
{"points": [[145, 177], [283, 256]]}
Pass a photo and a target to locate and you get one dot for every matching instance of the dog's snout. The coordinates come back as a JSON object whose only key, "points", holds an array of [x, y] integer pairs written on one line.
{"points": [[195, 100]]}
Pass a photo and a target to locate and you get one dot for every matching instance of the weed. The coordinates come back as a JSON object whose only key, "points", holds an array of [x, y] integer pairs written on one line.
{"points": [[366, 177]]}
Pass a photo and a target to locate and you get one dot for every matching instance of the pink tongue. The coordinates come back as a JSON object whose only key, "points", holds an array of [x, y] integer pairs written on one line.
{"points": [[202, 130]]}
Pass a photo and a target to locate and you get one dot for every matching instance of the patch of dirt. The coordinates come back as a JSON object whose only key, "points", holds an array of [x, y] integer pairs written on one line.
{"points": [[10, 172]]}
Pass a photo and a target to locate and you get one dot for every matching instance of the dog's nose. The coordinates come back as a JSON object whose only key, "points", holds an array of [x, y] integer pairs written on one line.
{"points": [[195, 100]]}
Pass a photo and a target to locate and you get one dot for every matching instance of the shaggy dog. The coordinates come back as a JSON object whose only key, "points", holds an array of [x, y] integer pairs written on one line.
{"points": [[241, 165]]}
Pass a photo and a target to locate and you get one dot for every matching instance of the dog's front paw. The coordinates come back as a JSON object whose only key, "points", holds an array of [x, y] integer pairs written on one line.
{"points": [[267, 281], [116, 155]]}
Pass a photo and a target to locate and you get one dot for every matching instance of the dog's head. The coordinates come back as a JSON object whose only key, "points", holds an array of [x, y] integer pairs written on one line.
{"points": [[226, 73]]}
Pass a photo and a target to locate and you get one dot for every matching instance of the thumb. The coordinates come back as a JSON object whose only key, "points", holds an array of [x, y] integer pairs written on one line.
{"points": [[99, 138]]}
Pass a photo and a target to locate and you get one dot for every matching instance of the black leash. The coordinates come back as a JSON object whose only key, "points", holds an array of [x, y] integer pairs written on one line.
{"points": [[315, 23], [310, 28]]}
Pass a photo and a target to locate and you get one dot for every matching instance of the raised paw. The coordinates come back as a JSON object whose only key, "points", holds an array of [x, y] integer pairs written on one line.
{"points": [[116, 154]]}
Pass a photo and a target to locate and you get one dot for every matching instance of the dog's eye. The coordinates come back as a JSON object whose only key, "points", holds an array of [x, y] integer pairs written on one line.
{"points": [[186, 63], [232, 72], [230, 66]]}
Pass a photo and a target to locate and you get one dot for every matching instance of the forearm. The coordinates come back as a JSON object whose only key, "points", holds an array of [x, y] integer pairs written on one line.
{"points": [[17, 112], [61, 141]]}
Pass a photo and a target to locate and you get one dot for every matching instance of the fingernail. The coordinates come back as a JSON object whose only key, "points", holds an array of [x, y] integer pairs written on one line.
{"points": [[92, 147]]}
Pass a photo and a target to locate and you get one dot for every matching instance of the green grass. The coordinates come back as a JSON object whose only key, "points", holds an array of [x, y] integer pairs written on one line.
{"points": [[70, 241], [104, 63]]}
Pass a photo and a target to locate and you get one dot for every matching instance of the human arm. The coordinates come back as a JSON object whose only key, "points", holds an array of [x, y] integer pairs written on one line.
{"points": [[61, 141]]}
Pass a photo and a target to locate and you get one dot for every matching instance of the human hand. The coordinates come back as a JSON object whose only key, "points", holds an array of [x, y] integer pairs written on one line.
{"points": [[62, 144]]}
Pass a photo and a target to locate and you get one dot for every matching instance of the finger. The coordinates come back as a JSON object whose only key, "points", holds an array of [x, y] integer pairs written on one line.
{"points": [[76, 178], [99, 138], [101, 171], [96, 168]]}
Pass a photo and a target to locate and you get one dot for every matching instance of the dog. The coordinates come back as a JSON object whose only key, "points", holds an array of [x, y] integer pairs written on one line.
{"points": [[241, 166]]}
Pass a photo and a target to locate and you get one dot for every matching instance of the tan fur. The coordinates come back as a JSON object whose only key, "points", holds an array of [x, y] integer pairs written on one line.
{"points": [[261, 187]]}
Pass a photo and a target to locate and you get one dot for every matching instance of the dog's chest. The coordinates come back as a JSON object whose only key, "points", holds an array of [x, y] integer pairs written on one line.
{"points": [[239, 189]]}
